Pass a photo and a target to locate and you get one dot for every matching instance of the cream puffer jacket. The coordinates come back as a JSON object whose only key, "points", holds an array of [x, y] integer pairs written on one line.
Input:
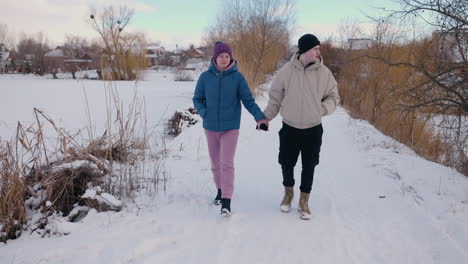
{"points": [[302, 95]]}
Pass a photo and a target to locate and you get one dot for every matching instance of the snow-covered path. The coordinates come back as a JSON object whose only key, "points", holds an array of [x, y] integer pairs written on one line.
{"points": [[350, 224], [373, 201]]}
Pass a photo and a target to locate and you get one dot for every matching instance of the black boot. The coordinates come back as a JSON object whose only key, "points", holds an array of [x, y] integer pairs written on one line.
{"points": [[225, 207], [217, 200]]}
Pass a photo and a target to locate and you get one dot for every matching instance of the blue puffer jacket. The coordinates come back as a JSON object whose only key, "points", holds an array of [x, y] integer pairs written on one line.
{"points": [[217, 99]]}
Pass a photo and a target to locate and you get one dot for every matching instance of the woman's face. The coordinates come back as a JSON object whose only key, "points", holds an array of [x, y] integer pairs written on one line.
{"points": [[223, 61]]}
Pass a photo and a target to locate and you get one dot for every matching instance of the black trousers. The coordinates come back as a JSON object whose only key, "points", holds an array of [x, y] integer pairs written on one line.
{"points": [[307, 142]]}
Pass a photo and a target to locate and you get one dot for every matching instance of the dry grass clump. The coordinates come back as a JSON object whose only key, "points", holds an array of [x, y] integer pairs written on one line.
{"points": [[115, 152], [38, 177], [66, 185], [43, 177], [37, 181], [12, 194]]}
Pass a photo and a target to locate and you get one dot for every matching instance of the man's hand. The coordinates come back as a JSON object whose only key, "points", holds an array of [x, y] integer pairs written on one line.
{"points": [[263, 124]]}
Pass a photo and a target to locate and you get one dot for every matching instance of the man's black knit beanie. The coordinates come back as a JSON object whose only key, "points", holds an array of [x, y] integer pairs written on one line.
{"points": [[307, 42]]}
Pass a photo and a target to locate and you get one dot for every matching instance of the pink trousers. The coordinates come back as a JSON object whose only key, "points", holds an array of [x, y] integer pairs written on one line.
{"points": [[222, 147]]}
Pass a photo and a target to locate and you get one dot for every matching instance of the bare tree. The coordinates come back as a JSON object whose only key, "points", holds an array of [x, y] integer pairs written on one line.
{"points": [[443, 64], [117, 45], [258, 31], [7, 37], [133, 50], [347, 30], [3, 33], [447, 15], [435, 83], [76, 45], [33, 49]]}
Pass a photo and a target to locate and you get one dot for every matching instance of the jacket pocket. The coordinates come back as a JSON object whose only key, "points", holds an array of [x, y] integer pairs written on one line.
{"points": [[202, 113], [322, 110]]}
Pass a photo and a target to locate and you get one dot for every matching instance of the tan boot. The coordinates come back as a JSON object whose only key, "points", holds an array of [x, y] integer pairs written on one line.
{"points": [[304, 211], [287, 199]]}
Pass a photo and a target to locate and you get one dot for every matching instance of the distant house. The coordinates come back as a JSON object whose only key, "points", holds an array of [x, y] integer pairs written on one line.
{"points": [[157, 55], [359, 43], [14, 62], [171, 59], [175, 59], [61, 59], [54, 60], [18, 62], [77, 64], [194, 53], [93, 58], [154, 53], [5, 60], [454, 44]]}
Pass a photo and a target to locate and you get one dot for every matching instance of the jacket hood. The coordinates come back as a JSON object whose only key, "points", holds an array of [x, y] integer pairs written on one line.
{"points": [[215, 70], [298, 64]]}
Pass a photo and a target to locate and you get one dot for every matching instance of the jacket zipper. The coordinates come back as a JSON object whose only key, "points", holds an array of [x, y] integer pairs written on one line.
{"points": [[301, 119], [220, 76]]}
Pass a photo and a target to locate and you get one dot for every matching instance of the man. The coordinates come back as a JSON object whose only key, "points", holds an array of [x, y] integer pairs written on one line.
{"points": [[303, 91]]}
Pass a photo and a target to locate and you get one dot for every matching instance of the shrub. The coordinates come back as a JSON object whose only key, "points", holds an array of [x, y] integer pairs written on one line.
{"points": [[179, 120]]}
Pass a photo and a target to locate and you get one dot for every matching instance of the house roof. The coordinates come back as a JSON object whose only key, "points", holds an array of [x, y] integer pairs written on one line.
{"points": [[57, 52]]}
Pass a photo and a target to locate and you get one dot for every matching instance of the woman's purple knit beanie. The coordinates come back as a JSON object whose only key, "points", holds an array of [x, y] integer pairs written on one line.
{"points": [[221, 47]]}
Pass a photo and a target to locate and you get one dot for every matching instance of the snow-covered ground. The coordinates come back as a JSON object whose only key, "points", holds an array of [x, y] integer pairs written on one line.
{"points": [[373, 199], [65, 101]]}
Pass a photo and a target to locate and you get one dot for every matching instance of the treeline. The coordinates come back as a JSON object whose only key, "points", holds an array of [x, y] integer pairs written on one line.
{"points": [[259, 33], [414, 90]]}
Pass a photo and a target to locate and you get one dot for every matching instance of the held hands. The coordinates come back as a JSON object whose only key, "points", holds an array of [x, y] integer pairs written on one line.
{"points": [[262, 124]]}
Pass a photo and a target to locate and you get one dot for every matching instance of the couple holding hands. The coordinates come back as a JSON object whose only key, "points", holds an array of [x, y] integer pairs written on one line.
{"points": [[302, 91]]}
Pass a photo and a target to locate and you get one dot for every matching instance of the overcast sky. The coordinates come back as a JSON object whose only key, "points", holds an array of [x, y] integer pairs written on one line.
{"points": [[171, 22]]}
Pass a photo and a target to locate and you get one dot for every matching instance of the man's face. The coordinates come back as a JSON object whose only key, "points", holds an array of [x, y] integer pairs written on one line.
{"points": [[312, 55]]}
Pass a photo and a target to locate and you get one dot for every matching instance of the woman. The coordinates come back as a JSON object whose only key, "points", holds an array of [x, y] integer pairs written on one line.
{"points": [[217, 98]]}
